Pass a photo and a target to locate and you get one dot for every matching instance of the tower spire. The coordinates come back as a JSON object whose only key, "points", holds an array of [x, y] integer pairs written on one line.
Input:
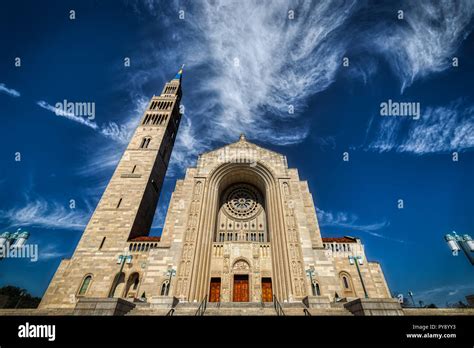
{"points": [[179, 74]]}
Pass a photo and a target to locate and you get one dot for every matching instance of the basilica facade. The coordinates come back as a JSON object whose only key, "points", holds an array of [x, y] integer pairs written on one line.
{"points": [[241, 227]]}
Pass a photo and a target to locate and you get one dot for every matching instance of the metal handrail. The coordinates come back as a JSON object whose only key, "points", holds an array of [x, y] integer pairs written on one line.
{"points": [[173, 307], [202, 307], [278, 307]]}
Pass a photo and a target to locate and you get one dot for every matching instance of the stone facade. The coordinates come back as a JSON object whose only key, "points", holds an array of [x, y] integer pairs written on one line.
{"points": [[241, 226]]}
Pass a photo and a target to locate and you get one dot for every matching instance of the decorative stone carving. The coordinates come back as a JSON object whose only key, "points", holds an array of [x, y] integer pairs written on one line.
{"points": [[241, 265]]}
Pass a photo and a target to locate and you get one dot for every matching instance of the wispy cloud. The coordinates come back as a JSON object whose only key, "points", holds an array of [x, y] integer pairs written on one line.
{"points": [[440, 129], [50, 251], [444, 294], [264, 62], [252, 62], [425, 40], [69, 115], [118, 133], [42, 213], [351, 222], [256, 65], [105, 156], [10, 91]]}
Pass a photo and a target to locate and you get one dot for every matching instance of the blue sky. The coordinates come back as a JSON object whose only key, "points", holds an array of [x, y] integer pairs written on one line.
{"points": [[246, 63]]}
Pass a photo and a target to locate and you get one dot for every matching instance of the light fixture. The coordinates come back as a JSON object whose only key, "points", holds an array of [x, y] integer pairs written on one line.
{"points": [[469, 242], [453, 245]]}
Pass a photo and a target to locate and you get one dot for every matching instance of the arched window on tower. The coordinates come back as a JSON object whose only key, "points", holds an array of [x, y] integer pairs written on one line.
{"points": [[145, 142], [85, 285]]}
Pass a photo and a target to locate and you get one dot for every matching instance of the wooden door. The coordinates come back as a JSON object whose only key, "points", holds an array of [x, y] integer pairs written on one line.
{"points": [[241, 288], [267, 294], [215, 290]]}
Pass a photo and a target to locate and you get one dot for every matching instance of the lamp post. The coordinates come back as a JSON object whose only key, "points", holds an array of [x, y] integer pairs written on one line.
{"points": [[357, 260], [126, 257], [310, 273], [22, 293], [410, 293], [457, 242], [12, 240], [170, 273]]}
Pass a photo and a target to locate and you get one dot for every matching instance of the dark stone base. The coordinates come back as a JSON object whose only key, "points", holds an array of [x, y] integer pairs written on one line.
{"points": [[374, 306], [102, 306]]}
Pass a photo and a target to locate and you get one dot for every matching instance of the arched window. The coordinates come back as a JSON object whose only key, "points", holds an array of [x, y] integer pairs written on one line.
{"points": [[345, 282], [347, 285], [85, 285], [316, 289], [135, 283], [145, 142], [165, 288]]}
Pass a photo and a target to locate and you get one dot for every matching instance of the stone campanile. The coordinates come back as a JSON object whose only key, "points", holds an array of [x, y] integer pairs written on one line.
{"points": [[128, 205]]}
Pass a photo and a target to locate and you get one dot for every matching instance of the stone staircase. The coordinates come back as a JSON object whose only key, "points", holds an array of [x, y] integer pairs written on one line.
{"points": [[238, 309]]}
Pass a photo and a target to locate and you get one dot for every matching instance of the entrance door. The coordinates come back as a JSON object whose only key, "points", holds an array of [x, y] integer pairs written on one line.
{"points": [[267, 294], [215, 291], [241, 288]]}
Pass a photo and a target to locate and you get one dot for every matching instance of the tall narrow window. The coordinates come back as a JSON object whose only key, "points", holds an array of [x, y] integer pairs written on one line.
{"points": [[145, 142], [165, 288], [346, 283], [102, 243], [119, 202], [316, 289], [85, 285]]}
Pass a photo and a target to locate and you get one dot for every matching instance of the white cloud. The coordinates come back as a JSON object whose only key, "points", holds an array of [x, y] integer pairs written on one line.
{"points": [[350, 222], [66, 114], [444, 294], [263, 63], [49, 252], [41, 213], [440, 129], [282, 61], [118, 133], [426, 40], [10, 91], [251, 63]]}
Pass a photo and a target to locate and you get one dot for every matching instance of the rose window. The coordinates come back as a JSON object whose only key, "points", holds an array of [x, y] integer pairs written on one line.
{"points": [[242, 201]]}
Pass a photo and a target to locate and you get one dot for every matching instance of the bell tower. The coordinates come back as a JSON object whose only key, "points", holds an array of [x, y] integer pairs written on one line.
{"points": [[128, 204], [127, 207]]}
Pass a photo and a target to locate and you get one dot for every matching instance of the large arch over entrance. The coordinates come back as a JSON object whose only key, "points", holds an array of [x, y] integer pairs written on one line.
{"points": [[223, 176]]}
